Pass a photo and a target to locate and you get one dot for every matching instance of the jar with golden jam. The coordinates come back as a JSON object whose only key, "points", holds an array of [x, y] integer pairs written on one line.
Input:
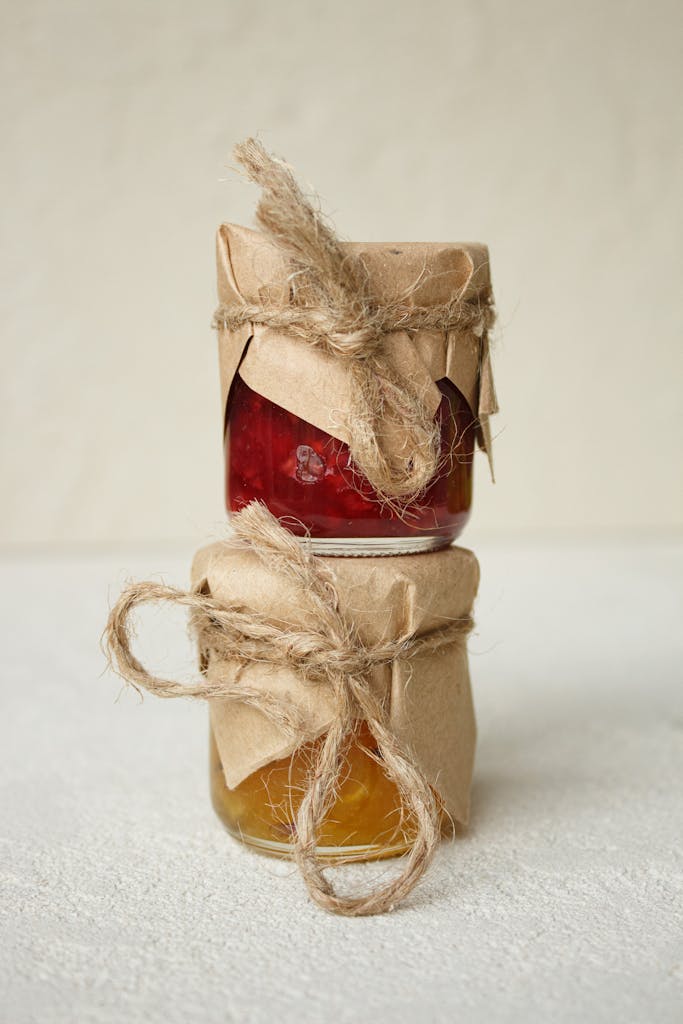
{"points": [[365, 823]]}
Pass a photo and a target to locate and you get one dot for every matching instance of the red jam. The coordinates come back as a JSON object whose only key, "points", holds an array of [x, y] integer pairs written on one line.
{"points": [[302, 473]]}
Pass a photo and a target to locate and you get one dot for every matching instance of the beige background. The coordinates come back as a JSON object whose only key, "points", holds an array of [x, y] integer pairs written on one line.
{"points": [[549, 130]]}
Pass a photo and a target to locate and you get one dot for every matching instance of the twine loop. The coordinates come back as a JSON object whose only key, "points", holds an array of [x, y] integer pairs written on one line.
{"points": [[327, 650]]}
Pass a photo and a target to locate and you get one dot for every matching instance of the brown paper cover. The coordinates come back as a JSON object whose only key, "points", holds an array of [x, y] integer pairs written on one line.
{"points": [[252, 270], [428, 699]]}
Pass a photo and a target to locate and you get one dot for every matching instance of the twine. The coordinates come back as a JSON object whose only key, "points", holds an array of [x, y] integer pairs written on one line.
{"points": [[332, 308], [327, 650]]}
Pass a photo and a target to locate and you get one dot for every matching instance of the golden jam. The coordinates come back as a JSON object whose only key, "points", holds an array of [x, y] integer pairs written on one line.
{"points": [[365, 823]]}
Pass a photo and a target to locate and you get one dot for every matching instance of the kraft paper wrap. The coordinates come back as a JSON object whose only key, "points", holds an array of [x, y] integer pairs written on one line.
{"points": [[429, 698], [315, 386]]}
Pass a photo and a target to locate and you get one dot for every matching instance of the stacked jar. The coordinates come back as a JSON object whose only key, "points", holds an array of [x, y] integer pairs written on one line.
{"points": [[289, 444]]}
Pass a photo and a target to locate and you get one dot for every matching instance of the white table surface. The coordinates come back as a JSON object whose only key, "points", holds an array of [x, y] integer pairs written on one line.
{"points": [[123, 899]]}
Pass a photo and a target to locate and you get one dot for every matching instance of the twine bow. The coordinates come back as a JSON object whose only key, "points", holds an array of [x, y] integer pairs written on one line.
{"points": [[328, 650], [332, 307]]}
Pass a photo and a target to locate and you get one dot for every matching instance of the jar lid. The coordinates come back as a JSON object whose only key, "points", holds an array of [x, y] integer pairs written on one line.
{"points": [[417, 273]]}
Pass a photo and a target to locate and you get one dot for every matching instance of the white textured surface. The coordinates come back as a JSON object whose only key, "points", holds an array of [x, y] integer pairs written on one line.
{"points": [[547, 128], [123, 900]]}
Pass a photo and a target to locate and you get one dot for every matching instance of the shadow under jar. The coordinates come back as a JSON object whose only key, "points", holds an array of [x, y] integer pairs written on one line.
{"points": [[305, 476]]}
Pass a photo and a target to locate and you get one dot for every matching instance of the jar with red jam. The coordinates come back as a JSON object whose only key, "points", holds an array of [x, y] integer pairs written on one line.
{"points": [[286, 403]]}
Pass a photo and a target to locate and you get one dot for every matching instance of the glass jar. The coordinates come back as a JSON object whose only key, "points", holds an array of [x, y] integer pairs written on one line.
{"points": [[364, 824], [303, 475]]}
